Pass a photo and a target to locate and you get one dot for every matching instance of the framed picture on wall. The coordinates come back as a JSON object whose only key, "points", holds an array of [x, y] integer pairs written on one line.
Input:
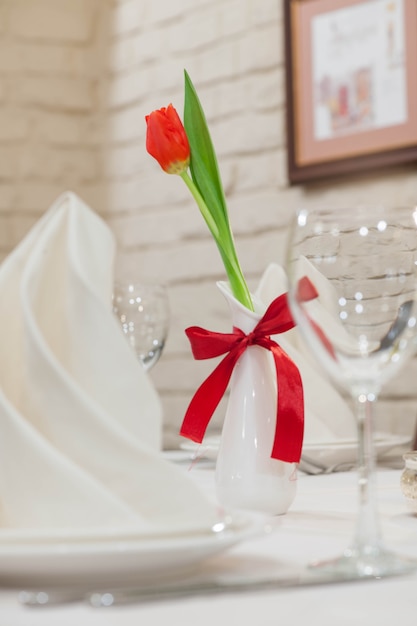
{"points": [[351, 82]]}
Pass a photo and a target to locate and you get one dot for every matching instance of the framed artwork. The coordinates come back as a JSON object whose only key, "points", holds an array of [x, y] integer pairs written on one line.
{"points": [[351, 83]]}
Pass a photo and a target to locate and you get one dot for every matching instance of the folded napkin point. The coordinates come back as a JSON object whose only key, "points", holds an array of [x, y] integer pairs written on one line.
{"points": [[81, 420]]}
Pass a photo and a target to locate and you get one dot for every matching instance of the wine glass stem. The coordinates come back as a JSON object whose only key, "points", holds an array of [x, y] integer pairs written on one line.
{"points": [[368, 533]]}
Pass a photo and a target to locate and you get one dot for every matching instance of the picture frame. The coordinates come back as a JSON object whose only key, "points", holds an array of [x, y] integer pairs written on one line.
{"points": [[351, 86]]}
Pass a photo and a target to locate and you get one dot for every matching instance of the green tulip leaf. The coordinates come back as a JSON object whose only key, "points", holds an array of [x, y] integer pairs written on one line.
{"points": [[203, 163], [205, 177]]}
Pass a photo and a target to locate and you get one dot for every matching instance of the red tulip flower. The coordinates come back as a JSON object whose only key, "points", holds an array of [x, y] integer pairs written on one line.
{"points": [[187, 150], [167, 141]]}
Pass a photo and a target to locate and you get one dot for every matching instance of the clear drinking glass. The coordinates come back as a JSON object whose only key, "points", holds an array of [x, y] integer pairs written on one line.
{"points": [[143, 313], [361, 327]]}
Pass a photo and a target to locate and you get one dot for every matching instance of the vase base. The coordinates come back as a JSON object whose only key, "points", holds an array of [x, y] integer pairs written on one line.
{"points": [[270, 496]]}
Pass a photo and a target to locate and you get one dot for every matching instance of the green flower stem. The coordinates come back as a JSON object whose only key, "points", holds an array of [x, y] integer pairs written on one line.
{"points": [[237, 282], [201, 204], [225, 245]]}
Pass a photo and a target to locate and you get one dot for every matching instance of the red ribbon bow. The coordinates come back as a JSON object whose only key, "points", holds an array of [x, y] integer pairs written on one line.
{"points": [[205, 344]]}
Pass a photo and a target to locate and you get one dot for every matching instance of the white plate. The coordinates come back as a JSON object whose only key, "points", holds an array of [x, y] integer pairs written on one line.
{"points": [[345, 451], [326, 453], [121, 560]]}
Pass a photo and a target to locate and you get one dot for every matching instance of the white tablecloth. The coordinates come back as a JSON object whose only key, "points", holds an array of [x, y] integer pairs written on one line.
{"points": [[319, 524]]}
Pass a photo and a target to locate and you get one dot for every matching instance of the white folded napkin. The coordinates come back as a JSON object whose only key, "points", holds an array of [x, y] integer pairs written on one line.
{"points": [[328, 418], [80, 422]]}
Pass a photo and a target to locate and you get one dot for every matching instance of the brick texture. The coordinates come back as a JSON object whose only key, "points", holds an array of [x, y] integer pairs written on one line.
{"points": [[77, 78]]}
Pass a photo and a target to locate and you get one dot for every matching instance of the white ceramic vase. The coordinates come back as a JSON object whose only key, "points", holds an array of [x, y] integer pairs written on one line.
{"points": [[246, 475]]}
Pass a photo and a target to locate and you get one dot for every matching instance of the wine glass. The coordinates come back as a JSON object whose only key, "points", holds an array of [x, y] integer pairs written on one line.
{"points": [[143, 312], [361, 327]]}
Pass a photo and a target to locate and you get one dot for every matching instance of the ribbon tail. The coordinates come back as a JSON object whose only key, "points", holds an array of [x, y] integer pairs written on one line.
{"points": [[206, 399], [289, 430]]}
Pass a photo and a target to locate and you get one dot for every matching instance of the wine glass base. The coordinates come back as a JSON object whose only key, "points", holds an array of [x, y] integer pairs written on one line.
{"points": [[364, 562]]}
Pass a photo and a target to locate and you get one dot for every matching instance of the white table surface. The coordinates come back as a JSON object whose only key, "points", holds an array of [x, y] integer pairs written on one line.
{"points": [[318, 525]]}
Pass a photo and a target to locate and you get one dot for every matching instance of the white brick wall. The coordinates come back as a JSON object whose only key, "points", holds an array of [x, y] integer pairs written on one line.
{"points": [[50, 20], [47, 107], [77, 78]]}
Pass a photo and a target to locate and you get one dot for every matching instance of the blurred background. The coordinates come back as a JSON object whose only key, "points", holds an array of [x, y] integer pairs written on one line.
{"points": [[77, 78]]}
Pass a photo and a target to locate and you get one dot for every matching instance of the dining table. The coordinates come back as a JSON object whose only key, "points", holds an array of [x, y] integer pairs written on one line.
{"points": [[318, 526]]}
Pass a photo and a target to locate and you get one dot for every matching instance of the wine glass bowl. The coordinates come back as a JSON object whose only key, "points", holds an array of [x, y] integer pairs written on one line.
{"points": [[143, 312], [366, 268], [361, 327]]}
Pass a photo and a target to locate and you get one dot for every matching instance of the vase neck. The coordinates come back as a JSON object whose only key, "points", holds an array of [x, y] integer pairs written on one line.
{"points": [[242, 317]]}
